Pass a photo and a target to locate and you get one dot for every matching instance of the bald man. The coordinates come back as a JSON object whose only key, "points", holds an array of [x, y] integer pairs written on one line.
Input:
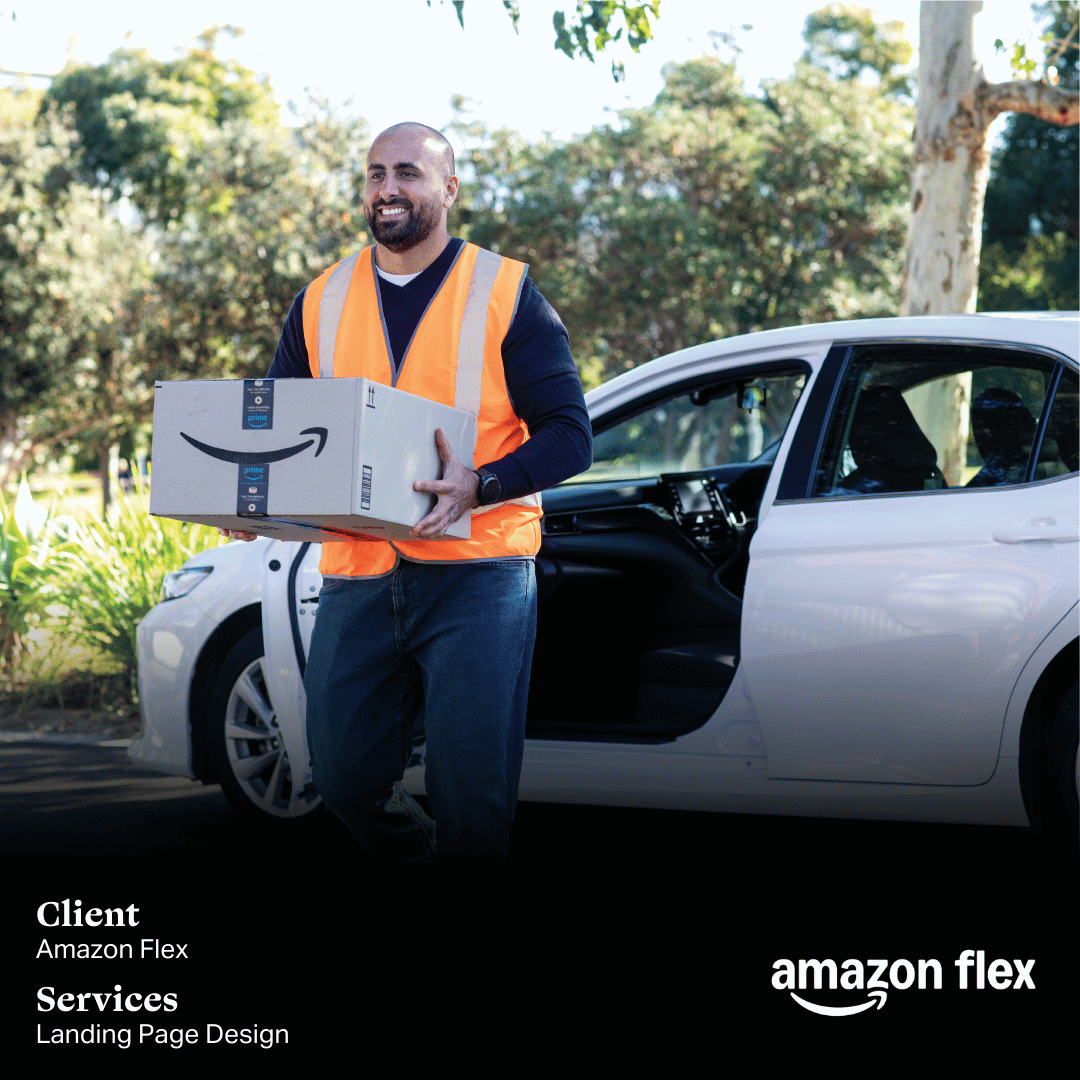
{"points": [[429, 633]]}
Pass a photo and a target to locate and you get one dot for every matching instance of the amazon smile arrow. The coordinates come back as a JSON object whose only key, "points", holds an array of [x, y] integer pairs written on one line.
{"points": [[262, 457], [846, 1010]]}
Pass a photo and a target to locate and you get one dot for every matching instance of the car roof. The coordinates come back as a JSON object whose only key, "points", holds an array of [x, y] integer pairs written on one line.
{"points": [[1055, 330]]}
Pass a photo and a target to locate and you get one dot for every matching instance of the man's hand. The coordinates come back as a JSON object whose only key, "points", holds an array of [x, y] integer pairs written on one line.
{"points": [[456, 491], [235, 534]]}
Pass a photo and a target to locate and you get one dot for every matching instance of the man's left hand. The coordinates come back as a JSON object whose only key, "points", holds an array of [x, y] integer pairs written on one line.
{"points": [[456, 492]]}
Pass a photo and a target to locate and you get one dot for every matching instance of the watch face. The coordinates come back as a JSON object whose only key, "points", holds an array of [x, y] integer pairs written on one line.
{"points": [[490, 489]]}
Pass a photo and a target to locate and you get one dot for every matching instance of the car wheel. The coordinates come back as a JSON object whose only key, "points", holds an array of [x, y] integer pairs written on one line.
{"points": [[246, 750], [1063, 756]]}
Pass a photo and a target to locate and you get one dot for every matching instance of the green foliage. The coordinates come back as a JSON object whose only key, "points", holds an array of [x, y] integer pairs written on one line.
{"points": [[73, 589], [590, 26], [592, 29], [1042, 276], [156, 221], [142, 121], [272, 211], [28, 543], [72, 281], [16, 586], [846, 40], [110, 575], [706, 214], [40, 312], [1059, 44]]}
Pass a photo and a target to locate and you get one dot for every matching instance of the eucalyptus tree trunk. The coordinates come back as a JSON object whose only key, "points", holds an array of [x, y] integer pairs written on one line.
{"points": [[950, 168], [950, 158]]}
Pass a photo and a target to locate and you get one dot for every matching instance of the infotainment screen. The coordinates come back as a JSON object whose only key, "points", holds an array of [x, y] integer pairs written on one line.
{"points": [[693, 498]]}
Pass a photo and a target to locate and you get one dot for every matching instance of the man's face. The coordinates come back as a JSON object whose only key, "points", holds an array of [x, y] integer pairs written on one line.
{"points": [[408, 190]]}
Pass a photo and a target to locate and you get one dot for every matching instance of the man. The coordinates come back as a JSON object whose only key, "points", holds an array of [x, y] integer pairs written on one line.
{"points": [[441, 630]]}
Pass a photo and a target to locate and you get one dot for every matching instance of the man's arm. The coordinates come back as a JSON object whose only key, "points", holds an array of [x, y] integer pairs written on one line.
{"points": [[545, 392], [291, 357]]}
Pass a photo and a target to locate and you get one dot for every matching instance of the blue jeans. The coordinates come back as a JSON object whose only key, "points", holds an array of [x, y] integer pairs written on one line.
{"points": [[448, 646]]}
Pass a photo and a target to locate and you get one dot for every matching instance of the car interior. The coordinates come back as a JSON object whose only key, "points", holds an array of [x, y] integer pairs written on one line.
{"points": [[889, 433], [644, 557]]}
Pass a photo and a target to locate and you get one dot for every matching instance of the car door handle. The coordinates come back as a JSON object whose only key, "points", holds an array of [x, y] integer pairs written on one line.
{"points": [[1061, 534]]}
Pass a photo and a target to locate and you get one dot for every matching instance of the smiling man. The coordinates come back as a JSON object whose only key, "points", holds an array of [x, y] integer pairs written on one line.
{"points": [[438, 632]]}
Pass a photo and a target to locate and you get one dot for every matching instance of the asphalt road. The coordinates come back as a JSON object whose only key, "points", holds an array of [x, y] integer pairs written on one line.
{"points": [[79, 800]]}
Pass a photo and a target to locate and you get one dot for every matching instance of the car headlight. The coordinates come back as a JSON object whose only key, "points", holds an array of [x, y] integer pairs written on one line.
{"points": [[181, 582]]}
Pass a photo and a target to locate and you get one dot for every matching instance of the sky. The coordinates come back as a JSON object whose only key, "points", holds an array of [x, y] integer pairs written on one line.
{"points": [[404, 60]]}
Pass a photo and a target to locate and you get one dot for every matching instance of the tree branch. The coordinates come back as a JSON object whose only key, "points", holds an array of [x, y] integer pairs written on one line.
{"points": [[1050, 103], [1062, 46]]}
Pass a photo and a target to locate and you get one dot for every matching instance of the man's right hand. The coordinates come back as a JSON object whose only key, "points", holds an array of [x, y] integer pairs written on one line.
{"points": [[235, 534]]}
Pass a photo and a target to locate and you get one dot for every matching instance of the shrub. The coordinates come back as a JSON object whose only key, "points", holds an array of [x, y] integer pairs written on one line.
{"points": [[110, 574], [29, 538]]}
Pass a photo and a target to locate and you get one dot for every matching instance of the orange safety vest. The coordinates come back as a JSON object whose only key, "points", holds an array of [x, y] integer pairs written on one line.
{"points": [[455, 357]]}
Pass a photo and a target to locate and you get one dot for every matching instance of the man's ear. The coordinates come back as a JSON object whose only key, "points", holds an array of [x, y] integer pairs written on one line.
{"points": [[450, 192]]}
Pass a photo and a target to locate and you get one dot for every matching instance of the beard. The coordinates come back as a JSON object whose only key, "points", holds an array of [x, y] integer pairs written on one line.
{"points": [[405, 231]]}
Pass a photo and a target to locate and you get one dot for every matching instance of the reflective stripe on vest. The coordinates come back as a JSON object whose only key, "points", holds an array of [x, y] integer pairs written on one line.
{"points": [[500, 524], [330, 309]]}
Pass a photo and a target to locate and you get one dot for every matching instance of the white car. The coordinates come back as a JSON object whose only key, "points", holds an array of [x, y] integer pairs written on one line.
{"points": [[827, 570]]}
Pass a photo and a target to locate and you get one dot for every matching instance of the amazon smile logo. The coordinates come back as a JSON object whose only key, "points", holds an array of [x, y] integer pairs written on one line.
{"points": [[875, 978], [260, 457]]}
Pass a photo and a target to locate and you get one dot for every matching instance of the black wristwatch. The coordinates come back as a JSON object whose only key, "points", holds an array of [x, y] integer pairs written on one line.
{"points": [[490, 488]]}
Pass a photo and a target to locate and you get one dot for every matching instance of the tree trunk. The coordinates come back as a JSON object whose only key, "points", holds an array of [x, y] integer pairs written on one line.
{"points": [[942, 408], [950, 165], [109, 459], [950, 159], [950, 168]]}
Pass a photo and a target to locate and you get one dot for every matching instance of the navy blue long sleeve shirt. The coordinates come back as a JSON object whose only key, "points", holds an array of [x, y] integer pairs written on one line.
{"points": [[541, 378]]}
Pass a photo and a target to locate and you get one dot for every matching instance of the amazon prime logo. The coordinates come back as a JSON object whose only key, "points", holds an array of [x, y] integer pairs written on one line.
{"points": [[252, 489], [872, 980]]}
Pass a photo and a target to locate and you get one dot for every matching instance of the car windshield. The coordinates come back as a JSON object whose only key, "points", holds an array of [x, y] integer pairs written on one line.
{"points": [[724, 424]]}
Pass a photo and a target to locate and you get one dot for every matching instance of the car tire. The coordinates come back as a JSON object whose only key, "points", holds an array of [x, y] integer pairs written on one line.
{"points": [[246, 751], [1063, 760]]}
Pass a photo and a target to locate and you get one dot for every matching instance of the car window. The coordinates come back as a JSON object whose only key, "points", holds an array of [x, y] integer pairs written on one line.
{"points": [[713, 425], [926, 417]]}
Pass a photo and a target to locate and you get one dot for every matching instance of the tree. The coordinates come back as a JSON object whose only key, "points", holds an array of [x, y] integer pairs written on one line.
{"points": [[708, 213], [950, 167], [954, 110], [184, 219], [1030, 253], [271, 210], [143, 130], [62, 266], [847, 41], [141, 121]]}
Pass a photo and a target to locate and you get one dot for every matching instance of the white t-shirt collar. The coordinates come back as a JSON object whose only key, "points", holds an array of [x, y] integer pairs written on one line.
{"points": [[397, 279]]}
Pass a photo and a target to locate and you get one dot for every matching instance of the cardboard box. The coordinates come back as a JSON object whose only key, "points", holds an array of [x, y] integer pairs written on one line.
{"points": [[301, 459]]}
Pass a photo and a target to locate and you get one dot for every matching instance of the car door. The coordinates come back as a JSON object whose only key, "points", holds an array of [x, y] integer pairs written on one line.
{"points": [[290, 597], [895, 589], [641, 567]]}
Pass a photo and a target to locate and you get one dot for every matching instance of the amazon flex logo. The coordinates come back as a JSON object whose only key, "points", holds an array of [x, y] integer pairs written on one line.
{"points": [[875, 978]]}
